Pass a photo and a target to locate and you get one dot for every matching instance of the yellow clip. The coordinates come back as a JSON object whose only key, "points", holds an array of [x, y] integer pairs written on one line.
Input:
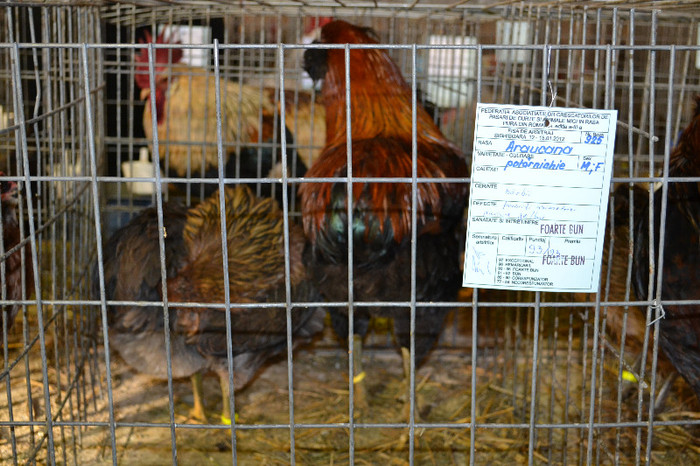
{"points": [[359, 377], [227, 421], [629, 377]]}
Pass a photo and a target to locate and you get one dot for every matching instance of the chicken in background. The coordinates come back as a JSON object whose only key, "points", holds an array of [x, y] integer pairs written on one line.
{"points": [[185, 101], [679, 330], [381, 138], [16, 288], [305, 115], [194, 264], [258, 162], [307, 119]]}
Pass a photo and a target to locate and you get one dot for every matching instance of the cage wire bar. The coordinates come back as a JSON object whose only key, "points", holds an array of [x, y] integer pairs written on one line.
{"points": [[516, 376], [49, 371]]}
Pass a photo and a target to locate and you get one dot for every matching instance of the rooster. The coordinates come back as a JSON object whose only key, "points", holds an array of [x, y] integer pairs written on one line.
{"points": [[13, 282], [381, 112], [679, 330], [185, 102], [194, 264]]}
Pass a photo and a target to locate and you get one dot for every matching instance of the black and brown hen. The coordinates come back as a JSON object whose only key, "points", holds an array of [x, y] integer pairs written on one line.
{"points": [[381, 139], [679, 331]]}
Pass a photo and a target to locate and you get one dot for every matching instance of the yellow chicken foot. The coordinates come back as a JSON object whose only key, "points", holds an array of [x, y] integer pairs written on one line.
{"points": [[225, 400], [197, 411], [405, 390], [406, 358], [358, 374]]}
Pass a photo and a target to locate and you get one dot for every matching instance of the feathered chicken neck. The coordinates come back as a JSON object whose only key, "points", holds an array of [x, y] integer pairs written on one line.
{"points": [[379, 87], [166, 78], [381, 115]]}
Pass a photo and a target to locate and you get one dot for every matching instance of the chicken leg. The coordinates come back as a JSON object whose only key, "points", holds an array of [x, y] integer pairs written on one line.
{"points": [[406, 386], [197, 411], [225, 400], [358, 373]]}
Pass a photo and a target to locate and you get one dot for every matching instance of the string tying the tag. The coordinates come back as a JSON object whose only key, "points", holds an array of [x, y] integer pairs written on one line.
{"points": [[552, 90], [553, 93], [657, 307]]}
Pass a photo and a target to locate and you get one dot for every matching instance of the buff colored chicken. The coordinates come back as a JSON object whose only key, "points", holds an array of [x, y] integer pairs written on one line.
{"points": [[185, 102]]}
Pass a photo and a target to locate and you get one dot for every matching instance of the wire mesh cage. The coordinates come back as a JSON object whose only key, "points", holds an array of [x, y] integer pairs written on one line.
{"points": [[514, 376], [50, 103]]}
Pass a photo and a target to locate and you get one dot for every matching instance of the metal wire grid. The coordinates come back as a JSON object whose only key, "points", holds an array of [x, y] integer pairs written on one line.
{"points": [[48, 131], [578, 82], [76, 222]]}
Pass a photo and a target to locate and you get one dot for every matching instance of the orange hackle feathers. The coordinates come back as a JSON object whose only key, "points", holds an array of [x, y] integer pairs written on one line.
{"points": [[381, 134]]}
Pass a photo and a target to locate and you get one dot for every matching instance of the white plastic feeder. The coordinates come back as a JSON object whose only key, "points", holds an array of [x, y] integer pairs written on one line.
{"points": [[141, 168]]}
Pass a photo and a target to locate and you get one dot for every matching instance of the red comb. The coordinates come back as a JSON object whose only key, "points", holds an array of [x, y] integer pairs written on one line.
{"points": [[162, 56], [316, 22]]}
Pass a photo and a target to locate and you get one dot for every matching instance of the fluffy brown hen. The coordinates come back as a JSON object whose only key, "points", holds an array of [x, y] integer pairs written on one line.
{"points": [[381, 112], [194, 263]]}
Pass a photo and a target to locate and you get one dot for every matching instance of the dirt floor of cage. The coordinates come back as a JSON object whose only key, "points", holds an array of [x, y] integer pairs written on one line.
{"points": [[321, 397], [75, 363]]}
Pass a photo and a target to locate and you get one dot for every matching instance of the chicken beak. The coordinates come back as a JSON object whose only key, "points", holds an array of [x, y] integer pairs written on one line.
{"points": [[145, 93]]}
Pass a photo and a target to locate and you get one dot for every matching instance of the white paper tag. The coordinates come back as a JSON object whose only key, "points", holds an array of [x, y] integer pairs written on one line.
{"points": [[538, 198]]}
